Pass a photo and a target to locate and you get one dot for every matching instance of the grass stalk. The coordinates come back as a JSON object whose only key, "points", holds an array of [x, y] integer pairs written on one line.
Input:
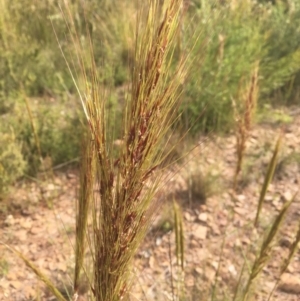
{"points": [[179, 249], [292, 248], [179, 235], [292, 251], [244, 120], [265, 250], [82, 210], [41, 276], [268, 179]]}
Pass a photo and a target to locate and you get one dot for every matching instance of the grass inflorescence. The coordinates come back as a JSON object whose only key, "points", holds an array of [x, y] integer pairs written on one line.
{"points": [[123, 208]]}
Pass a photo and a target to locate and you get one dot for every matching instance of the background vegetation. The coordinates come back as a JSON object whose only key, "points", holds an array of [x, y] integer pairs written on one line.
{"points": [[36, 90]]}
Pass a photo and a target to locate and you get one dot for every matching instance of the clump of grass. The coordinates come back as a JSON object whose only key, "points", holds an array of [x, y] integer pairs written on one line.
{"points": [[123, 208], [202, 185], [244, 119]]}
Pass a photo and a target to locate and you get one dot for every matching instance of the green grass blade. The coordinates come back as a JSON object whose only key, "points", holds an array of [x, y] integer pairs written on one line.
{"points": [[266, 249], [268, 178]]}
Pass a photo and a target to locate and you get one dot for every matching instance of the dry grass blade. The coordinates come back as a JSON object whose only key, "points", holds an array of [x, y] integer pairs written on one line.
{"points": [[39, 274], [266, 249], [268, 178]]}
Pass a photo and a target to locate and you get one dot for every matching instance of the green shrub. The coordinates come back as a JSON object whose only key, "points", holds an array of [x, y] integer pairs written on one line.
{"points": [[32, 66], [232, 40], [30, 58]]}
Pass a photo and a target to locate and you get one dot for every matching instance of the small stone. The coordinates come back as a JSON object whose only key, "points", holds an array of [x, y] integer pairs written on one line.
{"points": [[202, 217], [188, 217], [36, 230], [284, 242], [200, 232], [240, 211], [26, 223], [289, 284], [16, 284], [290, 269], [190, 281], [50, 187], [215, 229], [193, 243], [232, 270], [9, 221], [151, 262], [269, 198], [209, 274], [145, 254], [71, 175], [287, 196], [215, 264], [246, 241], [158, 241], [238, 243], [199, 270], [61, 267], [241, 198], [21, 235]]}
